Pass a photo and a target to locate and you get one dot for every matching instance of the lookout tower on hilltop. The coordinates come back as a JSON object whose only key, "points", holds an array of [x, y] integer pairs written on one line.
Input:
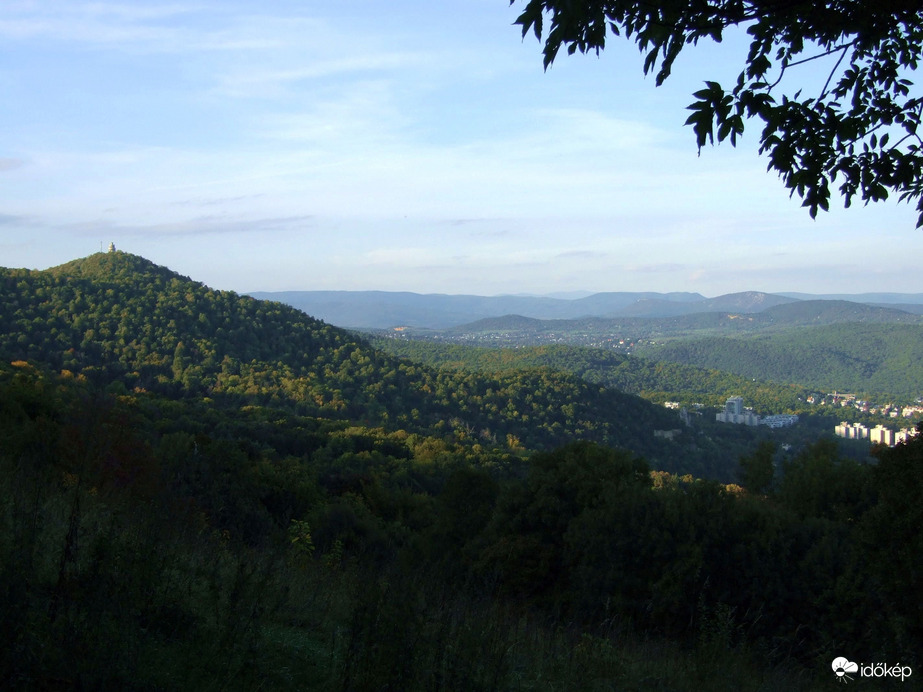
{"points": [[111, 247]]}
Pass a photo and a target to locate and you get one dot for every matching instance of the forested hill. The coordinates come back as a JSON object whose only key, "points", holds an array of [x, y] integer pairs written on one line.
{"points": [[825, 312], [654, 380], [126, 317], [794, 314], [860, 357], [203, 491], [119, 318]]}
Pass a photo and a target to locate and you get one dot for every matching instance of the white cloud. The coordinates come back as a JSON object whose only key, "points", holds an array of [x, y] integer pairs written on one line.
{"points": [[403, 257], [93, 23], [269, 82], [196, 226], [10, 164], [415, 148], [151, 28]]}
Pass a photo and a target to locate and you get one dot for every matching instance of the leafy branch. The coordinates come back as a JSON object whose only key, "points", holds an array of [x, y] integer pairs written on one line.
{"points": [[861, 131]]}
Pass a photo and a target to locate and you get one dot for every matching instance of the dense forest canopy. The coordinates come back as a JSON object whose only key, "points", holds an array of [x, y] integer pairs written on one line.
{"points": [[656, 380], [119, 317], [203, 491], [878, 359], [800, 347], [186, 545]]}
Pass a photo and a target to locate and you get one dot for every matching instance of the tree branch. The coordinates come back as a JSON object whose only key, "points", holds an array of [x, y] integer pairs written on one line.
{"points": [[823, 91]]}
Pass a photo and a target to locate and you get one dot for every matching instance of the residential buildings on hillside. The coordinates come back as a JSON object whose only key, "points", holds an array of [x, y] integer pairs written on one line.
{"points": [[877, 435], [735, 412], [890, 410]]}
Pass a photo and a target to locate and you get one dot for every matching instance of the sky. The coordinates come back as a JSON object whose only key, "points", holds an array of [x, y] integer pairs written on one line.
{"points": [[400, 146]]}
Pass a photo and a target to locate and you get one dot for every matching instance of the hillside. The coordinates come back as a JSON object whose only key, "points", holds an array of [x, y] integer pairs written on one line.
{"points": [[655, 380], [825, 312], [119, 318], [513, 324], [205, 491], [156, 543], [629, 334], [858, 357]]}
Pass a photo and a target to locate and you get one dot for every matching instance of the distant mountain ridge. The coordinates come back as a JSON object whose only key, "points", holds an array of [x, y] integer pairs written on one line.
{"points": [[871, 298], [385, 309], [516, 330], [747, 301]]}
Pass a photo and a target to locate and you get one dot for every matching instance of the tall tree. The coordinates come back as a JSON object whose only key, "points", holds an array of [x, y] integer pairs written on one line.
{"points": [[859, 130], [757, 470]]}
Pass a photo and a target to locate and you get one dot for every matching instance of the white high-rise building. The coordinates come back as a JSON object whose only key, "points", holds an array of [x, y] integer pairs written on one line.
{"points": [[881, 435], [734, 412], [851, 431], [734, 405]]}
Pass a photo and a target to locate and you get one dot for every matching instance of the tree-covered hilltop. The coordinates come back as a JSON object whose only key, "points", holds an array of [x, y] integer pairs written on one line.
{"points": [[859, 357], [119, 318]]}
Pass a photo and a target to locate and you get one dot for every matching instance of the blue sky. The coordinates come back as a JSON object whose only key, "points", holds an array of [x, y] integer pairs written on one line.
{"points": [[418, 146]]}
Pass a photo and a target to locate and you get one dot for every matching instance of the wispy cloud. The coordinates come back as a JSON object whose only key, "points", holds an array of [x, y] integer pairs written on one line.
{"points": [[141, 28], [424, 138], [11, 164], [216, 201], [349, 121], [581, 255], [666, 267], [14, 220], [90, 23], [269, 82], [403, 257], [198, 226]]}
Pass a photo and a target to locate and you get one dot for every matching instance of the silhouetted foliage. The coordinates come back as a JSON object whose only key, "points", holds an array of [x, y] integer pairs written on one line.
{"points": [[859, 129]]}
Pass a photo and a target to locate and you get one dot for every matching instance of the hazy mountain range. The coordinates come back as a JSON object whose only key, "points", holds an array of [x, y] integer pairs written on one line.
{"points": [[383, 309]]}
